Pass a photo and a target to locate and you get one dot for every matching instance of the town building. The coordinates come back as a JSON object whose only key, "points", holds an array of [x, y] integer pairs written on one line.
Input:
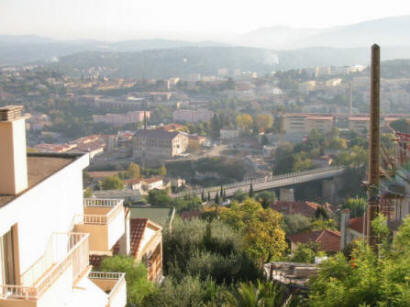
{"points": [[45, 248], [159, 144], [49, 233], [304, 123], [305, 208], [328, 240], [192, 116], [118, 119]]}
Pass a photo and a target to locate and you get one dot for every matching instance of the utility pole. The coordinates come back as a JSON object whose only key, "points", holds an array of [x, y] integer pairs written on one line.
{"points": [[351, 98], [374, 146]]}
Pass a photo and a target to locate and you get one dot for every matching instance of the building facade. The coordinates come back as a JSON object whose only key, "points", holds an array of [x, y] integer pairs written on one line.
{"points": [[159, 144]]}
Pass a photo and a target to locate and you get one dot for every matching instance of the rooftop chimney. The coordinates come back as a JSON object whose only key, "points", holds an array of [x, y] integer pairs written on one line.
{"points": [[13, 153]]}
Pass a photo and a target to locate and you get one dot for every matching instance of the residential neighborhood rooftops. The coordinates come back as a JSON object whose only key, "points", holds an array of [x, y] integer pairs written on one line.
{"points": [[357, 224], [328, 240], [305, 208]]}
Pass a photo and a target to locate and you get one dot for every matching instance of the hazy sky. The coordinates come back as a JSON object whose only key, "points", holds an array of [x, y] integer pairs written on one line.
{"points": [[121, 19]]}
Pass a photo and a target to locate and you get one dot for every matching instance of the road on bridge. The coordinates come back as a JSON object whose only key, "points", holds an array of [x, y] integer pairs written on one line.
{"points": [[268, 182]]}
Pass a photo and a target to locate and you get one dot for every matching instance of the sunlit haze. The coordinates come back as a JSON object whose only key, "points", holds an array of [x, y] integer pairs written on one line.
{"points": [[128, 19]]}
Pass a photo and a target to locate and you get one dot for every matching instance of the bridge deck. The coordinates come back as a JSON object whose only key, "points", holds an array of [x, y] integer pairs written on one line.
{"points": [[270, 182]]}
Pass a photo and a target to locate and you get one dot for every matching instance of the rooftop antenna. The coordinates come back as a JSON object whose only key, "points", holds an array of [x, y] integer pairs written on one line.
{"points": [[373, 187]]}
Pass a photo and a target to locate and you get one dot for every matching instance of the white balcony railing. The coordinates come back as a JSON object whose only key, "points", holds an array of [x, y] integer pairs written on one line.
{"points": [[99, 202], [65, 250], [118, 287], [113, 205]]}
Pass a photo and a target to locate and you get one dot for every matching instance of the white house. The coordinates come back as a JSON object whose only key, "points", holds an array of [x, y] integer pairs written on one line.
{"points": [[47, 230]]}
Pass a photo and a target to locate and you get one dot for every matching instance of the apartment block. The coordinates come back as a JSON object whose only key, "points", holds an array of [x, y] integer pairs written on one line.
{"points": [[302, 123], [159, 144], [49, 233]]}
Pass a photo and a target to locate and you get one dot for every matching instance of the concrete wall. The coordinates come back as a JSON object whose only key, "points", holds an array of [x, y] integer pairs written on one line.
{"points": [[48, 207]]}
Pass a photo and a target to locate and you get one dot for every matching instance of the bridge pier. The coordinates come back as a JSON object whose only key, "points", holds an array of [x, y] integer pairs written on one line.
{"points": [[330, 187]]}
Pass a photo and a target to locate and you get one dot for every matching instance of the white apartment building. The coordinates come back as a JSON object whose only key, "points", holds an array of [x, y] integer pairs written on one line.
{"points": [[48, 231]]}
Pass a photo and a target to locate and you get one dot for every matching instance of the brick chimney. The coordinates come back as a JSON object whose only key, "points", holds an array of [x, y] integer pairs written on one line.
{"points": [[13, 152]]}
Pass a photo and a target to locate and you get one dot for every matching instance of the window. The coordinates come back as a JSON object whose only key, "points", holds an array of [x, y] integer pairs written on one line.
{"points": [[8, 257]]}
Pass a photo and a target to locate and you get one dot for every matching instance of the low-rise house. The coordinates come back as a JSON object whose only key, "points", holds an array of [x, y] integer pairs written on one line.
{"points": [[305, 208], [328, 240], [146, 245]]}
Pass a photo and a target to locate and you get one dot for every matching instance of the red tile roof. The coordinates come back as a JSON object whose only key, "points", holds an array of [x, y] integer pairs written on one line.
{"points": [[357, 225], [296, 207], [328, 240], [137, 230]]}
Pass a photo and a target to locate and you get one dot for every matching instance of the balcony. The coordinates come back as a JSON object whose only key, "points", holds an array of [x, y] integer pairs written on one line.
{"points": [[66, 259], [113, 284], [104, 220]]}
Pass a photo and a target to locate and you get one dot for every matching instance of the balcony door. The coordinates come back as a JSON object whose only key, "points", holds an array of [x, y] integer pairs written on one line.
{"points": [[8, 258]]}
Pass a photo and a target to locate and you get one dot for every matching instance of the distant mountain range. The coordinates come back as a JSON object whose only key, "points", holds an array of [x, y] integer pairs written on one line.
{"points": [[165, 63], [283, 47], [387, 32]]}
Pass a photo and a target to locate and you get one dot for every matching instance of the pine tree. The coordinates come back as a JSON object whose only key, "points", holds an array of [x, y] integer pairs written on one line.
{"points": [[251, 190], [209, 196], [221, 191], [217, 200], [203, 196], [224, 195]]}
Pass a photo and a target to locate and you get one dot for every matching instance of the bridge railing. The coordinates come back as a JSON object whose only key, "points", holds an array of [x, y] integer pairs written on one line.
{"points": [[258, 180]]}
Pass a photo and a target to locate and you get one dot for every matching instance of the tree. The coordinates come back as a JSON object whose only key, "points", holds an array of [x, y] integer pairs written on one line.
{"points": [[138, 286], [217, 199], [305, 253], [264, 121], [357, 206], [159, 198], [294, 223], [367, 279], [251, 190], [266, 198], [133, 171], [112, 183], [221, 191], [203, 196], [258, 294], [162, 170], [265, 239], [209, 196], [88, 193], [244, 122]]}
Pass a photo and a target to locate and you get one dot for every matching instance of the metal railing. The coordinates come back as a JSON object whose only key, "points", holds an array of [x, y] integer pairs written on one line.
{"points": [[101, 219], [269, 180], [110, 276], [68, 249], [100, 202]]}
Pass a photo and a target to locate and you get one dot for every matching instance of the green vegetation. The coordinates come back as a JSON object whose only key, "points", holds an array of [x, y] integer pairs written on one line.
{"points": [[135, 274], [263, 236], [112, 183], [160, 198], [367, 278]]}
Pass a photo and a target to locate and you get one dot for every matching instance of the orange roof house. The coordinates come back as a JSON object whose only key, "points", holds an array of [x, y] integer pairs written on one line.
{"points": [[305, 208], [146, 245], [329, 240]]}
